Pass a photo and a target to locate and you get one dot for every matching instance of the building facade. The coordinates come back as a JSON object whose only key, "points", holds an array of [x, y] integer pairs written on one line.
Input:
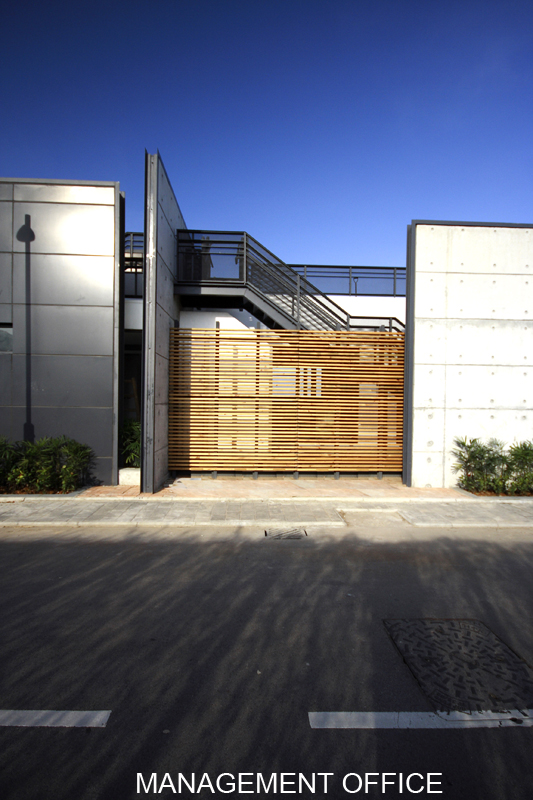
{"points": [[61, 314], [86, 315]]}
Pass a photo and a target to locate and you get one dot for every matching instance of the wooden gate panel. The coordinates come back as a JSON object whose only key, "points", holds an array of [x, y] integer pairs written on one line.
{"points": [[286, 400]]}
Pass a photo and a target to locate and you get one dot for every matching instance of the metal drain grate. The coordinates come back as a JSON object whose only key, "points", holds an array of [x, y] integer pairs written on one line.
{"points": [[286, 533], [461, 665]]}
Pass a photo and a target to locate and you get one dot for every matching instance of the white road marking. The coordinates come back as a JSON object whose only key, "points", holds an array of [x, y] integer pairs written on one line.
{"points": [[514, 718], [54, 719]]}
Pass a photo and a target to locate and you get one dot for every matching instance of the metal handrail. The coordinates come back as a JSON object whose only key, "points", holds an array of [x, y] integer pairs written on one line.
{"points": [[348, 279], [299, 299], [320, 309], [133, 243], [381, 323], [303, 303], [133, 264]]}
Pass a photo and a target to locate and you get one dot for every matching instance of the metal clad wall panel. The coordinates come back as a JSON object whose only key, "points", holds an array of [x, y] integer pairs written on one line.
{"points": [[63, 193], [6, 280], [89, 381], [6, 191], [65, 330], [62, 257], [65, 280], [286, 400], [6, 227], [5, 383], [63, 228]]}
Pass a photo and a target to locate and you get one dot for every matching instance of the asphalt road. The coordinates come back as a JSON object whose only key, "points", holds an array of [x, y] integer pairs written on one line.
{"points": [[210, 654]]}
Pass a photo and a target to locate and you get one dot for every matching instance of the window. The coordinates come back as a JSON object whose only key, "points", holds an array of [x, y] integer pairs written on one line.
{"points": [[6, 338]]}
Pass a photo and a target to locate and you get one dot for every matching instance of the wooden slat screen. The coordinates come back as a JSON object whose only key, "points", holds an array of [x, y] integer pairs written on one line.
{"points": [[286, 400]]}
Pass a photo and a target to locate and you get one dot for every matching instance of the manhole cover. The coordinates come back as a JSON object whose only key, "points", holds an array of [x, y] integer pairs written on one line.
{"points": [[461, 665], [286, 533]]}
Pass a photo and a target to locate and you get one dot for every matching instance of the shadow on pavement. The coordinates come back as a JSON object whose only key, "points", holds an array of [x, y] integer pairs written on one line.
{"points": [[210, 655]]}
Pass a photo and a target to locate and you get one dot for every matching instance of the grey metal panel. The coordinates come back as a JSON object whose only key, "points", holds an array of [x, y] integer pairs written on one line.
{"points": [[66, 228], [92, 426], [65, 330], [6, 279], [6, 313], [6, 381], [63, 381], [118, 329], [57, 193], [6, 422], [103, 471], [6, 190], [6, 227], [73, 250], [65, 279]]}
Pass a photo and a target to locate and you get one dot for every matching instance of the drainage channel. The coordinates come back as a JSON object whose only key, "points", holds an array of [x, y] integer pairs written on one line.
{"points": [[286, 533]]}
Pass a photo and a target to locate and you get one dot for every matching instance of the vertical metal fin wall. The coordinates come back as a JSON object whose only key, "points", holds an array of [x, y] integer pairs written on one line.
{"points": [[162, 218], [286, 400]]}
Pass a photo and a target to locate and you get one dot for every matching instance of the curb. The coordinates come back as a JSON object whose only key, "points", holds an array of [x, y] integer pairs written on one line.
{"points": [[234, 523]]}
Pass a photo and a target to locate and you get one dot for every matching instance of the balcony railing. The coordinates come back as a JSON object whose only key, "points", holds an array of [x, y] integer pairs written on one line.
{"points": [[133, 264], [362, 281], [233, 258]]}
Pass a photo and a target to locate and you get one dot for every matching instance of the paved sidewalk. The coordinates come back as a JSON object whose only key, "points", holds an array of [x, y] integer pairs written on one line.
{"points": [[281, 488], [68, 512], [271, 504]]}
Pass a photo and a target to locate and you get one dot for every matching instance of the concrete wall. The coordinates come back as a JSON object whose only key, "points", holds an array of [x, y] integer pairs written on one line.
{"points": [[471, 340], [161, 312], [227, 320], [59, 290]]}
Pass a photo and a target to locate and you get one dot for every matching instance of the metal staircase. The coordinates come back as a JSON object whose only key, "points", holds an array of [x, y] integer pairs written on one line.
{"points": [[230, 269], [223, 268]]}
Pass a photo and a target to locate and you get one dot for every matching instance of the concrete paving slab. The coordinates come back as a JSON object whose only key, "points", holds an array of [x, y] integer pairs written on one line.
{"points": [[270, 489], [450, 514], [404, 510]]}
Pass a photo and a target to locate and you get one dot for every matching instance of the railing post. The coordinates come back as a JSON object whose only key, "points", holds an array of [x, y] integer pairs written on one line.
{"points": [[350, 280], [305, 272], [394, 288], [298, 300], [244, 258]]}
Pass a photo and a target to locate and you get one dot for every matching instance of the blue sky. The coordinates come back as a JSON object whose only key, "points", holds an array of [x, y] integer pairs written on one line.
{"points": [[321, 127]]}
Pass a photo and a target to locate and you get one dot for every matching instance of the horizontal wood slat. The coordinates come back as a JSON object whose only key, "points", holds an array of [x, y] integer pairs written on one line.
{"points": [[281, 401]]}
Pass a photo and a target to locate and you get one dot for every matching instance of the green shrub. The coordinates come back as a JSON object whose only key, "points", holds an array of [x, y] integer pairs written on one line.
{"points": [[489, 468], [7, 459], [47, 465], [130, 442], [521, 466]]}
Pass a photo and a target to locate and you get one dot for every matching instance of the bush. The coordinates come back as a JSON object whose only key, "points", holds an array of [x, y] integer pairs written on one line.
{"points": [[130, 442], [489, 468], [521, 466], [47, 465]]}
